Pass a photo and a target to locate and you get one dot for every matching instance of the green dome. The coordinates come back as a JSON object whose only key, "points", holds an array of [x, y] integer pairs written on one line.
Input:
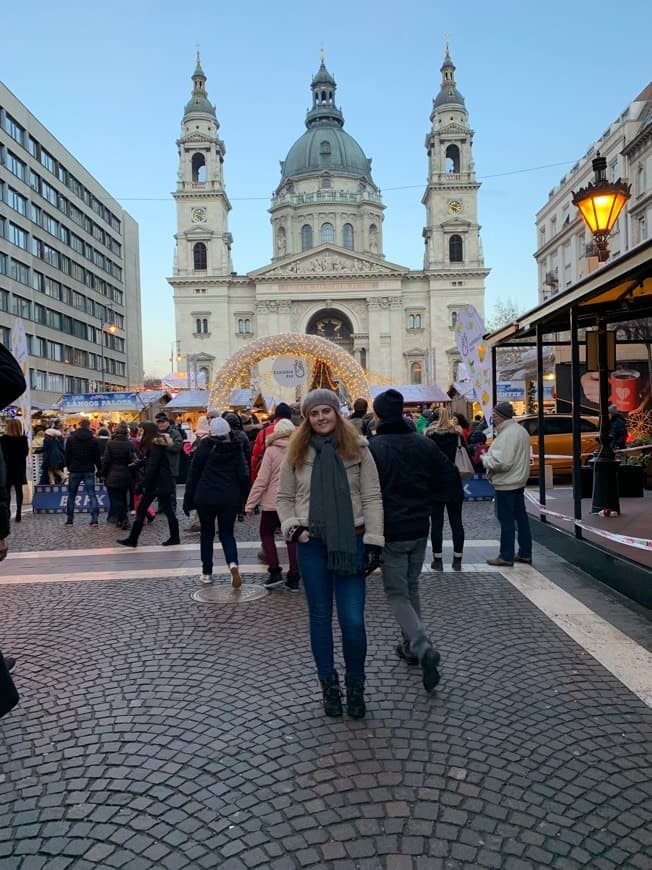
{"points": [[199, 101], [325, 149]]}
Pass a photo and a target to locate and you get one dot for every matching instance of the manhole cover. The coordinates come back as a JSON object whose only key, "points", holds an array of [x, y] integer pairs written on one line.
{"points": [[225, 594]]}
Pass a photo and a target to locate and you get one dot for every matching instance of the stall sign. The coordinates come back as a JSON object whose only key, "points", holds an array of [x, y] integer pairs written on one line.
{"points": [[72, 402], [53, 499]]}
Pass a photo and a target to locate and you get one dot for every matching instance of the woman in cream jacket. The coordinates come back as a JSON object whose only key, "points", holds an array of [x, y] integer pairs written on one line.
{"points": [[329, 502]]}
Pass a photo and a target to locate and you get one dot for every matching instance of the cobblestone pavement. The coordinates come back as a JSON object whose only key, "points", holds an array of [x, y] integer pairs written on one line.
{"points": [[157, 732]]}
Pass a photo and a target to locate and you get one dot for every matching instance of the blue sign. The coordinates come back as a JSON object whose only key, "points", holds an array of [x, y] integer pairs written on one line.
{"points": [[507, 391], [53, 499], [478, 488], [75, 402]]}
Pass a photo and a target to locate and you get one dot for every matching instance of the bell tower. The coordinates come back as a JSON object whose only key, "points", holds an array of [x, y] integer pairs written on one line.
{"points": [[452, 233], [203, 240]]}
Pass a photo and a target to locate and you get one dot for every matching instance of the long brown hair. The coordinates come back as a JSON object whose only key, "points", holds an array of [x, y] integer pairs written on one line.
{"points": [[14, 427], [150, 431], [347, 441]]}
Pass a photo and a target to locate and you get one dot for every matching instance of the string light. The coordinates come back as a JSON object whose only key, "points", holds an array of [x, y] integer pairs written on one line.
{"points": [[343, 365]]}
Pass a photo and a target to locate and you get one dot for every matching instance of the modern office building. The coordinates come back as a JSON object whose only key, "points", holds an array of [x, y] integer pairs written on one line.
{"points": [[69, 265], [328, 275], [565, 250]]}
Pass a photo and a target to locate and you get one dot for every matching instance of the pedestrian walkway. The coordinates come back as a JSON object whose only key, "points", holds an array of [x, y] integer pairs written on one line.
{"points": [[158, 732]]}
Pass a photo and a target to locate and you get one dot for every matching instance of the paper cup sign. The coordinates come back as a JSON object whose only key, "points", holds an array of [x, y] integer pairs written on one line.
{"points": [[625, 387], [289, 371]]}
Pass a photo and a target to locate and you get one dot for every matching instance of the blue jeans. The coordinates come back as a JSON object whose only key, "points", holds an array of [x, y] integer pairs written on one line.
{"points": [[510, 510], [225, 516], [74, 480], [321, 585]]}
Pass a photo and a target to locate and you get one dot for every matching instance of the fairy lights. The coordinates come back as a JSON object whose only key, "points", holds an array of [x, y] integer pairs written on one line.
{"points": [[341, 363]]}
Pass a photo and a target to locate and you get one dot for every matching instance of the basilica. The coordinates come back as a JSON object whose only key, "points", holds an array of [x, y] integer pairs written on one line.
{"points": [[328, 275]]}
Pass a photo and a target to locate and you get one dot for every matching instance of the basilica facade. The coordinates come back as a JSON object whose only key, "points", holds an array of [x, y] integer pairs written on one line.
{"points": [[328, 275]]}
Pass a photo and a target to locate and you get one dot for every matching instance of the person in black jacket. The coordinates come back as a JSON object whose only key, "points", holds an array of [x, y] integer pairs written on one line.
{"points": [[82, 461], [12, 385], [16, 450], [159, 482], [448, 435], [117, 462], [412, 472], [218, 486]]}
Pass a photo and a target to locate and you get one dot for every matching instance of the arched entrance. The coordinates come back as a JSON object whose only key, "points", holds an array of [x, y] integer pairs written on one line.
{"points": [[333, 325], [340, 361]]}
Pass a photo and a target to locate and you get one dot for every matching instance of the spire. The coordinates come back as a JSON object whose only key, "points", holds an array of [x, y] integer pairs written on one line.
{"points": [[324, 111], [199, 101], [448, 94]]}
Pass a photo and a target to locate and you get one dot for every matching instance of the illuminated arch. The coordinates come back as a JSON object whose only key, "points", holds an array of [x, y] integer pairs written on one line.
{"points": [[344, 366]]}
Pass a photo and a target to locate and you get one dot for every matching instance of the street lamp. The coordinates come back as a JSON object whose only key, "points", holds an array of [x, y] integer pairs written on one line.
{"points": [[600, 203], [111, 328]]}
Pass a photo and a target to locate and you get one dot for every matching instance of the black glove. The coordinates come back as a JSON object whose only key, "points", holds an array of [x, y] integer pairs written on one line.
{"points": [[241, 517], [373, 557]]}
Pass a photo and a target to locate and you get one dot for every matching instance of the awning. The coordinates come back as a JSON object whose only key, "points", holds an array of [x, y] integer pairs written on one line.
{"points": [[415, 394], [189, 400]]}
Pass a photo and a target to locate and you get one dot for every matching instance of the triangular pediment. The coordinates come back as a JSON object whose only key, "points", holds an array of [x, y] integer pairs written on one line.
{"points": [[196, 136], [327, 260], [456, 223], [453, 127]]}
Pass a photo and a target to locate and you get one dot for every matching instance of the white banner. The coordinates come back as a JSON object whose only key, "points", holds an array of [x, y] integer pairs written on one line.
{"points": [[469, 332], [19, 350], [289, 371]]}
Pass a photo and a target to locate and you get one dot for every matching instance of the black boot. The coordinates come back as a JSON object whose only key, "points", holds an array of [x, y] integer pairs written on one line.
{"points": [[332, 696], [355, 705], [174, 534], [132, 540]]}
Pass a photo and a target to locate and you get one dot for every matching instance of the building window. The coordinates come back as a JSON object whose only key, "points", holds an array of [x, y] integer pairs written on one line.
{"points": [[325, 182], [306, 237], [327, 233], [453, 319], [244, 326], [452, 165], [363, 357], [414, 321], [199, 257], [347, 236], [201, 326], [325, 151], [455, 249], [198, 168], [416, 372]]}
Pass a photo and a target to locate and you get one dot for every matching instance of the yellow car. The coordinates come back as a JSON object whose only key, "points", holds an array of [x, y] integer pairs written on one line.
{"points": [[558, 439]]}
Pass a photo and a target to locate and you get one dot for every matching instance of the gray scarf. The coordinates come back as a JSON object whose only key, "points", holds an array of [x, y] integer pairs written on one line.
{"points": [[331, 512]]}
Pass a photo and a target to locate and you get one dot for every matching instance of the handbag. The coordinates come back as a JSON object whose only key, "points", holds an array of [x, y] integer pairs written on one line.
{"points": [[462, 461], [8, 694]]}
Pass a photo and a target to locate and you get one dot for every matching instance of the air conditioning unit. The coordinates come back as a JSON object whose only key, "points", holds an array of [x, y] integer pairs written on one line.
{"points": [[551, 279]]}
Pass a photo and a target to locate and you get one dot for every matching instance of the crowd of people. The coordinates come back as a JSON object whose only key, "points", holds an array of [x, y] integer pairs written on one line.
{"points": [[349, 492]]}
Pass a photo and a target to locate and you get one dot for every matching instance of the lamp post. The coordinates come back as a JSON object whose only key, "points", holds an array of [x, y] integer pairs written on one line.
{"points": [[111, 328], [599, 204]]}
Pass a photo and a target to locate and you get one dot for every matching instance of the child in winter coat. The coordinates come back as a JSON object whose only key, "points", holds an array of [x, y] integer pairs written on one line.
{"points": [[263, 493]]}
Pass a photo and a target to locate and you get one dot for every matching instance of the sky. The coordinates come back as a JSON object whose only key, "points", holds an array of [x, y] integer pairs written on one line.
{"points": [[541, 83]]}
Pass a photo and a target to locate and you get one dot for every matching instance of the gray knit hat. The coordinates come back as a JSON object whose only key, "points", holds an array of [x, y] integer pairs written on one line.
{"points": [[505, 409], [319, 397]]}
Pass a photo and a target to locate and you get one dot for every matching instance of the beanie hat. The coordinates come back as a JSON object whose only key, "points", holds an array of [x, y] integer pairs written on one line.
{"points": [[319, 397], [212, 412], [202, 426], [219, 428], [284, 427], [389, 405], [161, 416], [505, 409], [232, 419], [283, 412]]}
